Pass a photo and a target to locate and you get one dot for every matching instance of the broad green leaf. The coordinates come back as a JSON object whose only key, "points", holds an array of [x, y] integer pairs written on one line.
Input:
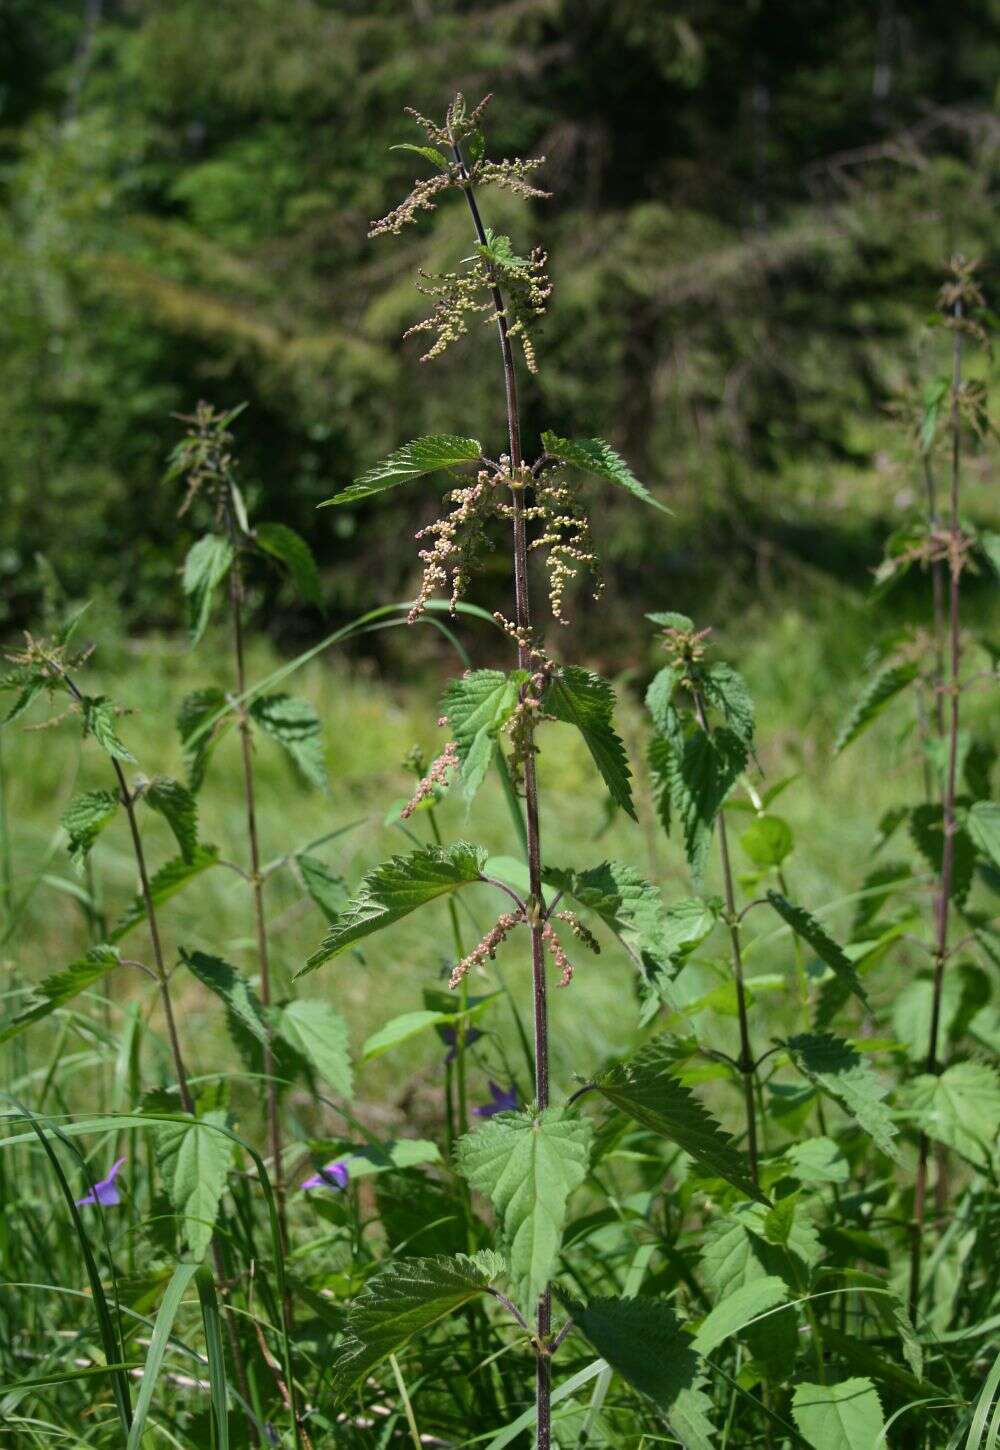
{"points": [[205, 567], [767, 841], [477, 706], [171, 878], [295, 725], [660, 695], [60, 988], [882, 687], [817, 1160], [913, 1010], [290, 549], [99, 715], [737, 1309], [578, 697], [695, 774], [839, 1069], [927, 830], [329, 892], [736, 1253], [983, 826], [198, 735], [401, 1029], [317, 1031], [644, 1341], [179, 808], [726, 690], [595, 456], [85, 818], [413, 460], [429, 153], [232, 987], [402, 1300], [647, 1089], [844, 1416], [397, 887], [528, 1164], [194, 1160], [809, 929], [961, 1109]]}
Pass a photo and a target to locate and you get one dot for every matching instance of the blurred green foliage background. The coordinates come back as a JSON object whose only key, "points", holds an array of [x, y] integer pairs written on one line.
{"points": [[750, 206]]}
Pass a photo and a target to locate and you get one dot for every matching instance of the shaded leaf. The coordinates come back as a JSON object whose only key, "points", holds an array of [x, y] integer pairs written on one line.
{"points": [[171, 878], [810, 930], [295, 725], [231, 987], [207, 564], [198, 734], [876, 694], [179, 808], [317, 1031], [696, 774], [927, 830], [290, 549], [961, 1109], [835, 1066], [85, 818], [327, 890], [413, 460], [578, 697], [59, 988], [983, 826], [725, 689]]}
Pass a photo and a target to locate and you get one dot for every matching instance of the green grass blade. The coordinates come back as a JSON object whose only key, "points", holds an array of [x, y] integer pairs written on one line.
{"points": [[180, 1279], [216, 1359]]}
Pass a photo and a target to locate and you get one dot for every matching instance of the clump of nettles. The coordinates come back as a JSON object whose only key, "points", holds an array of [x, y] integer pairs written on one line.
{"points": [[204, 457]]}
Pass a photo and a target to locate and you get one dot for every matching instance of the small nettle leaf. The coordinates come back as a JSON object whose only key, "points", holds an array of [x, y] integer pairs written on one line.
{"points": [[878, 690], [767, 841], [194, 1159], [983, 826], [403, 1299], [429, 153], [839, 1069], [207, 564], [99, 715], [736, 1311], [28, 682], [817, 1160], [203, 717], [927, 831], [397, 887], [179, 809], [670, 619], [477, 706], [694, 775], [810, 930], [595, 456], [960, 1108], [401, 1029], [319, 1033], [647, 1089], [291, 550], [85, 818], [59, 988], [328, 891], [659, 698], [844, 1416], [578, 697], [528, 1164], [644, 1342], [413, 460], [726, 690], [232, 988], [165, 883], [295, 725]]}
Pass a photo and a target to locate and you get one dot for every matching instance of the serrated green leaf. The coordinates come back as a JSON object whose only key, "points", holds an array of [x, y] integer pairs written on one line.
{"points": [[477, 706], [317, 1031], [659, 697], [961, 1109], [767, 841], [194, 1159], [647, 1089], [397, 887], [59, 988], [644, 1341], [207, 564], [736, 1253], [413, 460], [737, 1309], [85, 818], [528, 1164], [402, 1300], [844, 1416], [695, 774], [578, 697], [814, 935], [28, 682], [835, 1066], [817, 1160], [595, 456], [429, 153], [670, 619], [99, 717], [725, 689], [171, 878], [401, 1029], [231, 987], [327, 890], [178, 807], [296, 726], [983, 826], [199, 735], [876, 694], [291, 549]]}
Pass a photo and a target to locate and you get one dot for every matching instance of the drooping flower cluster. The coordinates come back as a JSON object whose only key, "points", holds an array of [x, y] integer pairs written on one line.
{"points": [[566, 538], [435, 778], [488, 947], [459, 540]]}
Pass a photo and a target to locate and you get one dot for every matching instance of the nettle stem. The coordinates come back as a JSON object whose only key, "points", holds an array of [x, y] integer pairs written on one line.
{"points": [[949, 825], [543, 1378], [746, 1061]]}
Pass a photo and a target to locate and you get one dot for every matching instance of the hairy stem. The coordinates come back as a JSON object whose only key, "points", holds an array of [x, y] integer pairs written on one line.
{"points": [[746, 1062], [543, 1377], [949, 825]]}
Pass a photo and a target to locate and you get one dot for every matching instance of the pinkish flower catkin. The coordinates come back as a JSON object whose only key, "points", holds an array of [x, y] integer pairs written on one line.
{"points": [[488, 947], [436, 776], [560, 958]]}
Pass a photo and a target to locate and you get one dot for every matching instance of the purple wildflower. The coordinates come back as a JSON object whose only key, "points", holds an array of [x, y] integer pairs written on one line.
{"points": [[333, 1175], [449, 1036], [105, 1192], [503, 1102]]}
